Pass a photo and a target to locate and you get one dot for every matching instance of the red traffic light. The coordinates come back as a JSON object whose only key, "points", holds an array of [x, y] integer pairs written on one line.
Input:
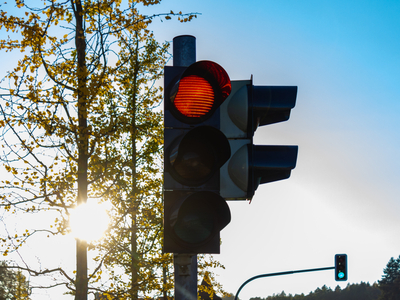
{"points": [[195, 149], [199, 91], [195, 96]]}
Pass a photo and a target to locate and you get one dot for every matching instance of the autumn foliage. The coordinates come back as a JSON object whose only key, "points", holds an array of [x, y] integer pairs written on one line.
{"points": [[80, 120]]}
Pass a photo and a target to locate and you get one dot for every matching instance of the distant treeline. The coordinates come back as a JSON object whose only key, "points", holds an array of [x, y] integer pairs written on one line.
{"points": [[388, 288], [357, 291]]}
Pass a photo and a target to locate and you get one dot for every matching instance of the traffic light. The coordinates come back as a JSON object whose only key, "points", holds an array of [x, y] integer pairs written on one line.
{"points": [[340, 267], [194, 151], [247, 108], [209, 155]]}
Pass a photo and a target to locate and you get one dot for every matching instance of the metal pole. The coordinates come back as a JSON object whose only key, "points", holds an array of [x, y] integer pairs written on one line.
{"points": [[277, 274], [184, 50], [185, 272], [185, 265]]}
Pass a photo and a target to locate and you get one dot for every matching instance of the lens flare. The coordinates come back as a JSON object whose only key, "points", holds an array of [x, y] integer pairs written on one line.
{"points": [[89, 221]]}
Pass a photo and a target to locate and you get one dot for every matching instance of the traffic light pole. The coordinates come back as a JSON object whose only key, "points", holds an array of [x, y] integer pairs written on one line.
{"points": [[278, 274], [185, 273], [184, 50], [185, 265], [209, 155]]}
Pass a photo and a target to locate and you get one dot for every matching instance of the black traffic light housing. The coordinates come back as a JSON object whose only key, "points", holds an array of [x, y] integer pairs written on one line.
{"points": [[209, 155], [194, 151], [341, 267]]}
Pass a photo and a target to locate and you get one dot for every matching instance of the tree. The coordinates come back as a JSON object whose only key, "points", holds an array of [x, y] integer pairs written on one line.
{"points": [[13, 284], [135, 241], [352, 292], [63, 123], [390, 282]]}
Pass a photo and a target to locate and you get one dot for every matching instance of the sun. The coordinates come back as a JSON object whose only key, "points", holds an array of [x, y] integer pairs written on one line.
{"points": [[89, 221]]}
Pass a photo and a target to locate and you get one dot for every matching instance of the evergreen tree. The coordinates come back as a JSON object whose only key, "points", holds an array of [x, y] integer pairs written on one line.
{"points": [[390, 282], [356, 291]]}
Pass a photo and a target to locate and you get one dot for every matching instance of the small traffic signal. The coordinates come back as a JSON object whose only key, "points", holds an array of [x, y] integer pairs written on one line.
{"points": [[340, 267], [247, 108], [194, 151]]}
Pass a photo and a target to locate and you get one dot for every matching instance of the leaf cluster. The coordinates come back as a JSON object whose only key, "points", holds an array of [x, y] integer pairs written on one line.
{"points": [[13, 284]]}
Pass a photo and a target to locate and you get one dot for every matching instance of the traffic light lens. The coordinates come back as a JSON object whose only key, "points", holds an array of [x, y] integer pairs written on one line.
{"points": [[341, 275], [194, 157], [196, 162], [195, 227], [192, 221], [195, 96]]}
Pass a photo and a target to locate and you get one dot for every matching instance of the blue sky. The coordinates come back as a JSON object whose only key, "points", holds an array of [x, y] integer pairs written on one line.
{"points": [[343, 196]]}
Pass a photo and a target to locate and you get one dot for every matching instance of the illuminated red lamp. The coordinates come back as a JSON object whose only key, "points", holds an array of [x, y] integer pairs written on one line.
{"points": [[195, 96], [201, 89]]}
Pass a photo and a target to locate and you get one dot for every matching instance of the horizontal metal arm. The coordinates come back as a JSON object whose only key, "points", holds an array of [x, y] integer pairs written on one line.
{"points": [[277, 274]]}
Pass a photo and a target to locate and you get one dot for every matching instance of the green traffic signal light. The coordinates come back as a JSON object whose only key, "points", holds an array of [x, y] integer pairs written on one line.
{"points": [[341, 267]]}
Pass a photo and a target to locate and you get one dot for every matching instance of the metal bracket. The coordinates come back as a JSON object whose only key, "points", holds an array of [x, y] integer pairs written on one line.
{"points": [[183, 261]]}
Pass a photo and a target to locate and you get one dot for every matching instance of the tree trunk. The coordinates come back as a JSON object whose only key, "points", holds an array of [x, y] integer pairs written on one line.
{"points": [[81, 283], [134, 207]]}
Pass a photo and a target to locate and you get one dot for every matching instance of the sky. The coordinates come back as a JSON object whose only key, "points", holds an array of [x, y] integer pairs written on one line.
{"points": [[343, 195]]}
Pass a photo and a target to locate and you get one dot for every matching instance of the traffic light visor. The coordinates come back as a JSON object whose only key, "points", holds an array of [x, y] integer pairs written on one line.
{"points": [[252, 165]]}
